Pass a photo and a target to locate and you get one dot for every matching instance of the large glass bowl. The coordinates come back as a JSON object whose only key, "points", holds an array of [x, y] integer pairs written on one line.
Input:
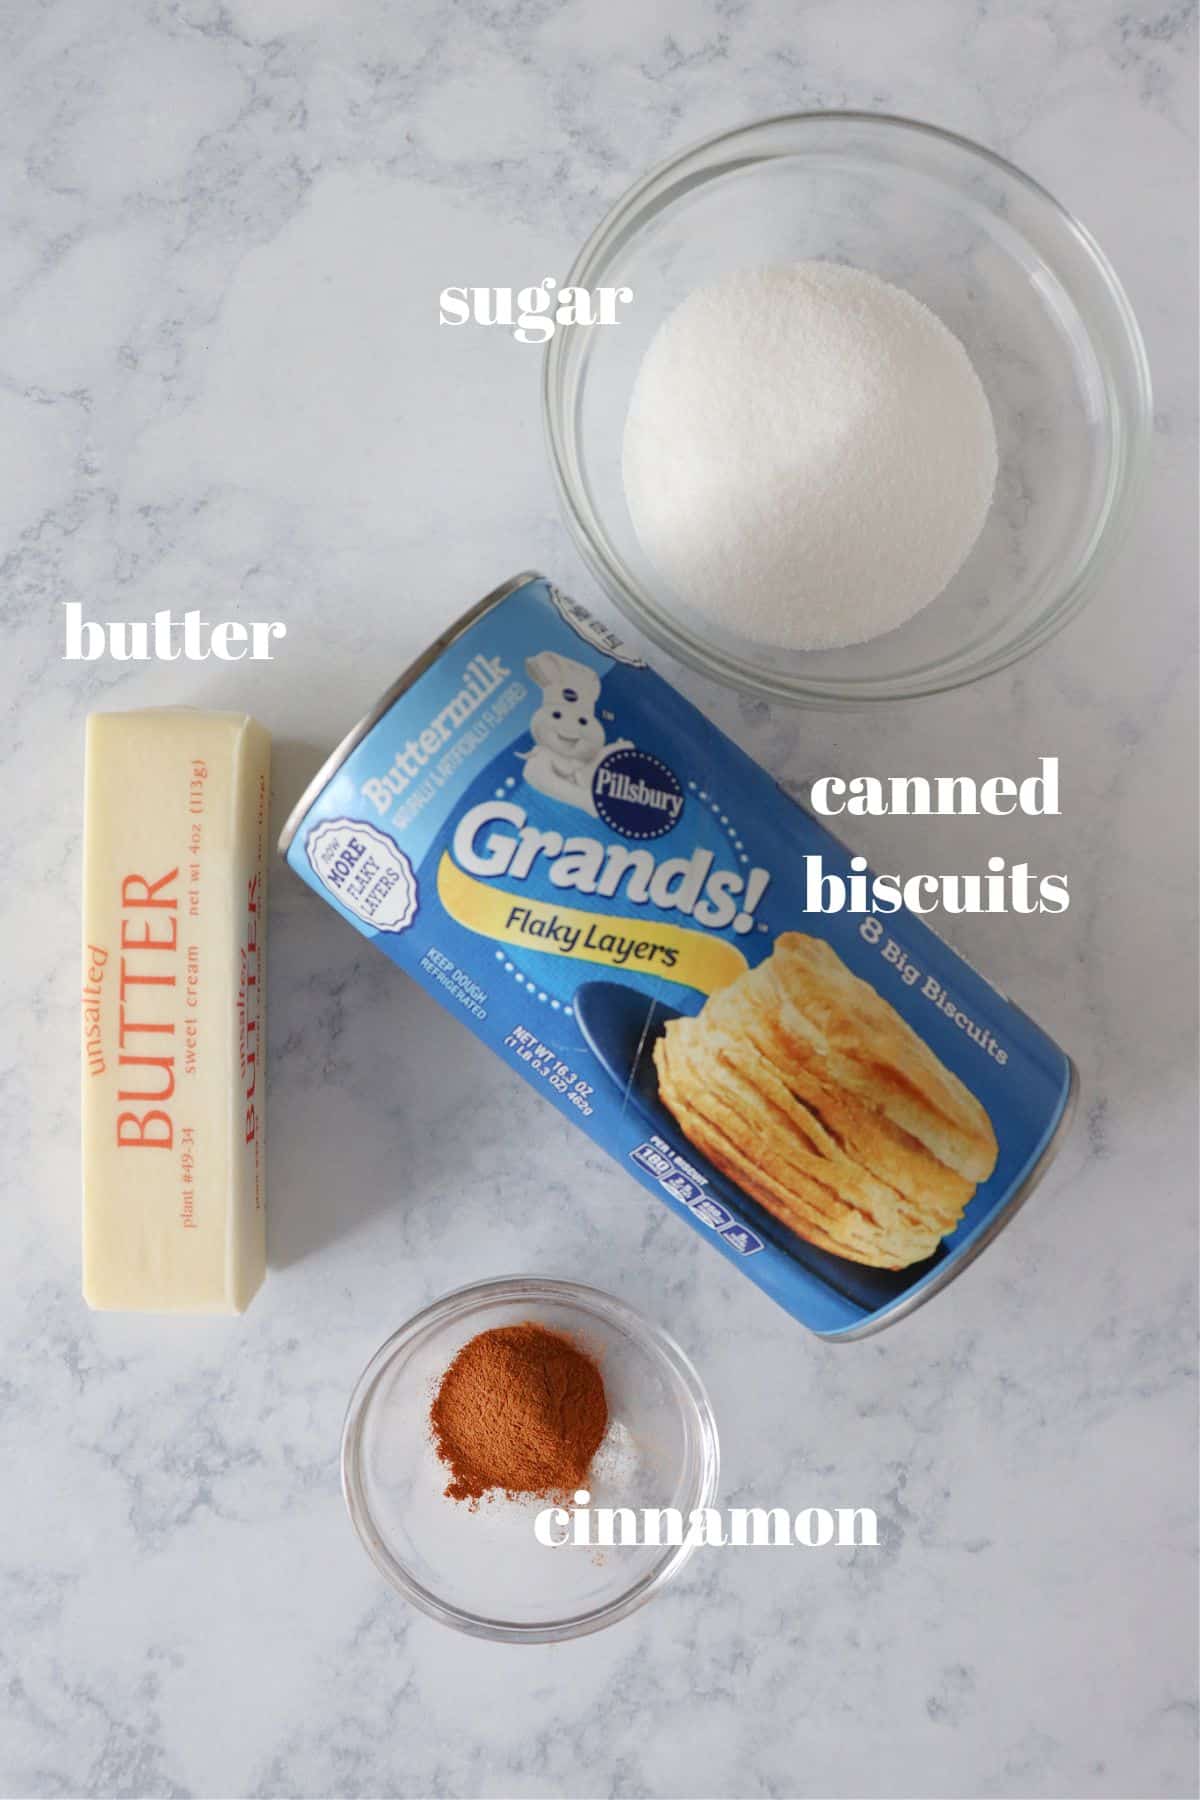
{"points": [[1019, 281], [483, 1570]]}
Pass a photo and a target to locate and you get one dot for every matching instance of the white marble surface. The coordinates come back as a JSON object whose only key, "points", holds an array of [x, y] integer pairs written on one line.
{"points": [[222, 385]]}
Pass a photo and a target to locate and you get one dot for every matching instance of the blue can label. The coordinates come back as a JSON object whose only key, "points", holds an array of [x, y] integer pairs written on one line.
{"points": [[609, 892]]}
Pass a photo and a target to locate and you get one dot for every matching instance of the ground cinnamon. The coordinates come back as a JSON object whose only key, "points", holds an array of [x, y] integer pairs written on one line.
{"points": [[521, 1409]]}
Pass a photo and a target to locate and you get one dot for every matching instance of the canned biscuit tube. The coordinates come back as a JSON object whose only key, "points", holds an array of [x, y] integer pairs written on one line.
{"points": [[607, 891]]}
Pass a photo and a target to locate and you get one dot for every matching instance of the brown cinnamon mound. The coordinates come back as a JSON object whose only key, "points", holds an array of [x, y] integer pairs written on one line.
{"points": [[520, 1409]]}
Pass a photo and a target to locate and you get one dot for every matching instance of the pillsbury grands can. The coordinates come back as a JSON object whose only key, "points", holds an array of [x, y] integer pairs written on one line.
{"points": [[560, 848]]}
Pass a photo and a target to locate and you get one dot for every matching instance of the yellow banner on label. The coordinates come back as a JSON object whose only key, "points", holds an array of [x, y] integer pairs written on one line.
{"points": [[691, 957]]}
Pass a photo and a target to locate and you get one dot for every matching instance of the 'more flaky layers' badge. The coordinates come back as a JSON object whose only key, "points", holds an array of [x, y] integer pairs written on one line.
{"points": [[366, 872]]}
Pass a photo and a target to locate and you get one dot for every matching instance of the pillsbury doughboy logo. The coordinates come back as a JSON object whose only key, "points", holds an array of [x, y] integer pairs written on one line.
{"points": [[636, 794], [568, 739]]}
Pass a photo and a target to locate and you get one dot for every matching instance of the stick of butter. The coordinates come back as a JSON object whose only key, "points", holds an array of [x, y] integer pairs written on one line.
{"points": [[174, 938]]}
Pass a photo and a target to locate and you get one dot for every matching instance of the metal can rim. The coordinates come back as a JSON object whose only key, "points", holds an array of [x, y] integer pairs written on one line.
{"points": [[402, 683]]}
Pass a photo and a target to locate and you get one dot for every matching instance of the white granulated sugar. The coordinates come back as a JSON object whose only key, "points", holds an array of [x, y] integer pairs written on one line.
{"points": [[616, 1467], [809, 454]]}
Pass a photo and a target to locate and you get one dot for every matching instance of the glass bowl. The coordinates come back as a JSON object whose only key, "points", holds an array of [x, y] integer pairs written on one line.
{"points": [[482, 1570], [1014, 276]]}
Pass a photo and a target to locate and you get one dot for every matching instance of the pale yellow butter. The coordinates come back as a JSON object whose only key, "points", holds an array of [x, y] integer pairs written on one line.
{"points": [[174, 1047]]}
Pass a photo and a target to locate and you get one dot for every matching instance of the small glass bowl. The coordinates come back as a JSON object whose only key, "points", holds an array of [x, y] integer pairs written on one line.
{"points": [[482, 1570], [1014, 276]]}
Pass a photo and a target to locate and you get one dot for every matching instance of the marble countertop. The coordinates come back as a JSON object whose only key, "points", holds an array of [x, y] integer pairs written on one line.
{"points": [[222, 385]]}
